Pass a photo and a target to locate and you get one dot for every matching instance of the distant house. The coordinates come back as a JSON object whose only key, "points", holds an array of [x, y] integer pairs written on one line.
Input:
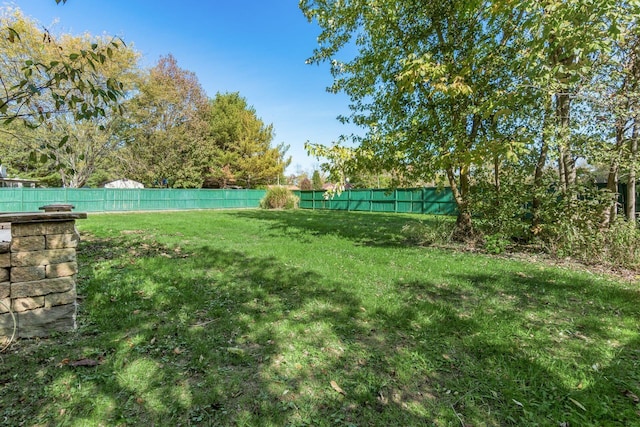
{"points": [[124, 183], [17, 182], [14, 182]]}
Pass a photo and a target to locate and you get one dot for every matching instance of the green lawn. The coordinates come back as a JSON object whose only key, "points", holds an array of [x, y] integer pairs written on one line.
{"points": [[263, 318]]}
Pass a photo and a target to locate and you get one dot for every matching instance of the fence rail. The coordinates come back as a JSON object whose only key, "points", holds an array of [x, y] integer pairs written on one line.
{"points": [[113, 200], [405, 200]]}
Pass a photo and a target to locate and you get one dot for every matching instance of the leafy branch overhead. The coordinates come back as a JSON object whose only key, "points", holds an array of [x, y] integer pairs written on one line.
{"points": [[55, 78]]}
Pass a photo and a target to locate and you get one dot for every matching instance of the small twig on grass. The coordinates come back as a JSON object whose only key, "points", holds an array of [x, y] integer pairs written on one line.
{"points": [[457, 416], [201, 324]]}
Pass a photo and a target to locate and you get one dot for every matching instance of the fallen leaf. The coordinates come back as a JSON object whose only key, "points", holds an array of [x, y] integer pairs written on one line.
{"points": [[578, 404], [177, 350], [235, 350], [84, 362], [336, 387], [632, 396]]}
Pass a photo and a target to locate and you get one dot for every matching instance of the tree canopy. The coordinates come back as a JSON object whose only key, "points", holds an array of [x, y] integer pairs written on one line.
{"points": [[492, 95], [243, 155], [87, 113]]}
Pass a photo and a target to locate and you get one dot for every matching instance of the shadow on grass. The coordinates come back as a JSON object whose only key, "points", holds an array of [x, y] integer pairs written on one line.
{"points": [[217, 337], [370, 229], [550, 344], [213, 338]]}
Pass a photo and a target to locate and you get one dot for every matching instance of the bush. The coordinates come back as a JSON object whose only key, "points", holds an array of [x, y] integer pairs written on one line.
{"points": [[279, 198]]}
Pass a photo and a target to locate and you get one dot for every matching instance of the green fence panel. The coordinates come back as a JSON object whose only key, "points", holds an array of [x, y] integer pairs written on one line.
{"points": [[404, 200], [113, 200]]}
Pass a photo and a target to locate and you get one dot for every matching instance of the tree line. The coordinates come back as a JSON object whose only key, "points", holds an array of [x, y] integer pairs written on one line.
{"points": [[517, 106], [80, 111]]}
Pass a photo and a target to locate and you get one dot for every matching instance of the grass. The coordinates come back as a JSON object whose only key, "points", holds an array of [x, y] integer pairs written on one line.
{"points": [[263, 318]]}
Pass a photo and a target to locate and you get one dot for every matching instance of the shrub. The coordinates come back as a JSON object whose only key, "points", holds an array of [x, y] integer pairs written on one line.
{"points": [[279, 198]]}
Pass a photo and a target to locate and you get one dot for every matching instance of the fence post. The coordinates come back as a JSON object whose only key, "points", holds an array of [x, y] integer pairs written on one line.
{"points": [[395, 200], [371, 200]]}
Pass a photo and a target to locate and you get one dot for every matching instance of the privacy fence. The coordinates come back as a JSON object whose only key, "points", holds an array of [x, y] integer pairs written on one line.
{"points": [[110, 200], [415, 200], [406, 200]]}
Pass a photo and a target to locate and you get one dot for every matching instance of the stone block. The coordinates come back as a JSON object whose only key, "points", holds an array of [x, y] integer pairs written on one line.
{"points": [[5, 305], [60, 325], [4, 274], [42, 287], [44, 316], [27, 274], [27, 243], [5, 290], [61, 241], [60, 227], [5, 260], [46, 257], [63, 298], [19, 305], [5, 247], [27, 229], [61, 270], [6, 324], [42, 228]]}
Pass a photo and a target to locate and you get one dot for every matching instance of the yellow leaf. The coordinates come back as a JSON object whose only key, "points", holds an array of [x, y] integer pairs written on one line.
{"points": [[337, 388]]}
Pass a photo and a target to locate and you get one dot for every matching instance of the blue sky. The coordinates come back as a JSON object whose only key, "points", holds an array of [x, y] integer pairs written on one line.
{"points": [[255, 47]]}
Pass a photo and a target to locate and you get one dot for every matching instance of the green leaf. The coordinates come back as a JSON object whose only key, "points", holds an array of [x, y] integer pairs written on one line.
{"points": [[63, 141], [13, 35]]}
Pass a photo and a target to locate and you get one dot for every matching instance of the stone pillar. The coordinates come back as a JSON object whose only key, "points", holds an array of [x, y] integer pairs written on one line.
{"points": [[38, 274]]}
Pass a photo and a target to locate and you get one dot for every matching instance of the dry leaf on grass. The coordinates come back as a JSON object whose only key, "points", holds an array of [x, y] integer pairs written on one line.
{"points": [[80, 362], [336, 387]]}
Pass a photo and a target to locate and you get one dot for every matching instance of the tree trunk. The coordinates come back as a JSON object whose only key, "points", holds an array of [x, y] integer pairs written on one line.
{"points": [[464, 226], [611, 210], [537, 180], [567, 164], [631, 181]]}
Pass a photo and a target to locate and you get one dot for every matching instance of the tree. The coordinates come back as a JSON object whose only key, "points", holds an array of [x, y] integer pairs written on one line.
{"points": [[430, 81], [566, 44], [73, 145], [316, 180], [42, 77], [166, 140], [243, 154]]}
